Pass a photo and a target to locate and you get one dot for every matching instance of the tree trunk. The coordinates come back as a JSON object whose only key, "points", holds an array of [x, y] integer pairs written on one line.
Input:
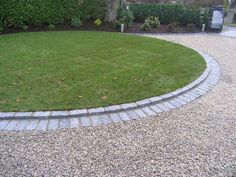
{"points": [[111, 10]]}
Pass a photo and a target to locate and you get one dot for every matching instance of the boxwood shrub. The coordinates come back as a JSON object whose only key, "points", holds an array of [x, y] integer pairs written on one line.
{"points": [[167, 13]]}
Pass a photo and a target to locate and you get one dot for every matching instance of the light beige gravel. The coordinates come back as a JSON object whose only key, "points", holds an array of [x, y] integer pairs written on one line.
{"points": [[196, 140]]}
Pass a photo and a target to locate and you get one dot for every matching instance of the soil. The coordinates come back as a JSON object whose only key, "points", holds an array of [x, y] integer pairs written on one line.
{"points": [[108, 27]]}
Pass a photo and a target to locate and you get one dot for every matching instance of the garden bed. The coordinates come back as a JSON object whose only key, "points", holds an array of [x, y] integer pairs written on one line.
{"points": [[107, 27]]}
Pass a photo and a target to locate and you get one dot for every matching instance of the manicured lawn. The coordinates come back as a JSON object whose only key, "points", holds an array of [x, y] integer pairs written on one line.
{"points": [[71, 70], [231, 24]]}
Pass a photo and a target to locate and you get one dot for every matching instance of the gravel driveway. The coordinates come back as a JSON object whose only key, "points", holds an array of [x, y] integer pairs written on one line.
{"points": [[196, 140]]}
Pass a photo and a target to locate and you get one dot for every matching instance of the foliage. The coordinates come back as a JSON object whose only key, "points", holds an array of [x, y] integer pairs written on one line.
{"points": [[203, 3], [151, 22], [125, 17], [234, 19], [167, 13], [25, 27], [51, 27], [15, 13], [98, 22], [146, 26], [75, 21], [1, 29], [93, 9]]}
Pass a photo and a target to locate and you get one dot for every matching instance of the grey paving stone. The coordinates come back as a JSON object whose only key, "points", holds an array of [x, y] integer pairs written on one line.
{"points": [[7, 114], [85, 121], [132, 114], [79, 112], [22, 124], [180, 101], [42, 114], [32, 125], [189, 96], [176, 104], [202, 89], [105, 119], [113, 108], [124, 116], [129, 106], [23, 114], [140, 113], [193, 94], [148, 111], [11, 125], [64, 123], [162, 107], [60, 114], [53, 124], [74, 122], [197, 91], [156, 99], [186, 99], [143, 103], [115, 117], [167, 96], [3, 123], [43, 124], [155, 109], [95, 111], [169, 105], [95, 120]]}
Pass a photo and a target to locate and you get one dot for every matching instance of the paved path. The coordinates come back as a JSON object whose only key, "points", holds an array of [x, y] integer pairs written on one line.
{"points": [[196, 140], [229, 31]]}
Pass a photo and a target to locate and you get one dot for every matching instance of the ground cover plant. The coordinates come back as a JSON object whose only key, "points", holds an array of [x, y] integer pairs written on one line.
{"points": [[71, 70]]}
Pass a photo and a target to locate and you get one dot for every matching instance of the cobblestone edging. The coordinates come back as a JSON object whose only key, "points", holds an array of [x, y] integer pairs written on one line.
{"points": [[50, 120]]}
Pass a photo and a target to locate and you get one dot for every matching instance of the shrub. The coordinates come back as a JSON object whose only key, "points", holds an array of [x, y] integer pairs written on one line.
{"points": [[1, 29], [93, 9], [51, 27], [98, 22], [146, 26], [76, 22], [234, 19], [25, 27], [172, 27], [167, 13], [151, 22], [125, 17], [16, 13]]}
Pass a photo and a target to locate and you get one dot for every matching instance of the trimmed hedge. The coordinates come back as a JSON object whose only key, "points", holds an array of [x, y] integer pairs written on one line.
{"points": [[167, 13], [16, 13], [234, 19]]}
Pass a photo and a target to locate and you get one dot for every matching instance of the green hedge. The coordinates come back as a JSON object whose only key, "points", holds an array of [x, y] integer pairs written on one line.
{"points": [[16, 13], [234, 19], [93, 9], [167, 13]]}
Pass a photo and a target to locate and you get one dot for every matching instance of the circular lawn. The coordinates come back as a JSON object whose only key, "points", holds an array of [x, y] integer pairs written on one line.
{"points": [[73, 70]]}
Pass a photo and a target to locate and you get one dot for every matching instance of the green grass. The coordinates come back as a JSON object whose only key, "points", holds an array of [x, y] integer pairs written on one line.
{"points": [[230, 24], [71, 70]]}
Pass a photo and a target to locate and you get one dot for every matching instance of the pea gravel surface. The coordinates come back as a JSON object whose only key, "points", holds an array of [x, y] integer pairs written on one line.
{"points": [[196, 140]]}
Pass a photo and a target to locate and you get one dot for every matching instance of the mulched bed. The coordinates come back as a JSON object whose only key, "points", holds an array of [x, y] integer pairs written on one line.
{"points": [[108, 27]]}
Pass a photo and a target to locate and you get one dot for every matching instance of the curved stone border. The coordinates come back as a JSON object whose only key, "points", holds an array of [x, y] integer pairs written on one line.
{"points": [[49, 120]]}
